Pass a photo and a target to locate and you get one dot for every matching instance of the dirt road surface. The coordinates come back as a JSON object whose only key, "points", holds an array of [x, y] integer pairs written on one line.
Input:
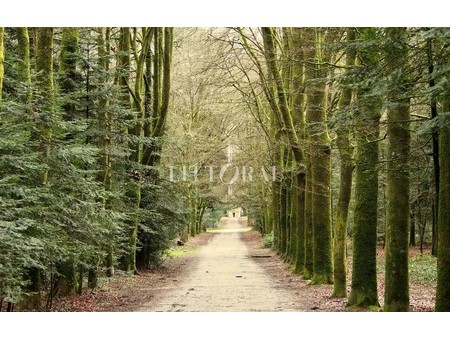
{"points": [[226, 278]]}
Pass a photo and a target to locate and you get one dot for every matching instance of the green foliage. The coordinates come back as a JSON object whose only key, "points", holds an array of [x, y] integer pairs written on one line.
{"points": [[423, 270], [79, 216], [267, 240]]}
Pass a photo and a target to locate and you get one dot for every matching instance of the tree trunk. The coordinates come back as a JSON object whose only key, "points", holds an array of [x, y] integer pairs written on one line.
{"points": [[435, 145], [300, 222], [294, 210], [443, 252], [2, 58], [104, 139], [345, 188], [276, 213], [397, 194], [364, 276], [308, 264], [283, 217], [133, 192], [23, 49], [320, 158], [412, 228], [298, 106]]}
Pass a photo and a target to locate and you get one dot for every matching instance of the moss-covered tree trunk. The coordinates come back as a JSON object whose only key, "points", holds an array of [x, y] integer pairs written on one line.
{"points": [[283, 217], [364, 275], [299, 259], [44, 68], [23, 50], [2, 58], [320, 156], [398, 181], [105, 135], [298, 116], [443, 252], [283, 201], [275, 206], [68, 59], [367, 118], [128, 261], [345, 183], [308, 252], [293, 210], [156, 102]]}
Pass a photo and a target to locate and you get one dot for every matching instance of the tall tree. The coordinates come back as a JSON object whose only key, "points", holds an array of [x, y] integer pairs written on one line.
{"points": [[320, 155], [346, 174], [443, 252], [298, 106], [105, 132], [364, 276], [397, 194]]}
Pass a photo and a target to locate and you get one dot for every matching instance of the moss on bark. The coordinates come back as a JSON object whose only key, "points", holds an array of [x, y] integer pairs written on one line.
{"points": [[345, 187], [364, 276], [443, 252], [398, 181], [308, 255], [23, 50], [320, 157], [2, 58]]}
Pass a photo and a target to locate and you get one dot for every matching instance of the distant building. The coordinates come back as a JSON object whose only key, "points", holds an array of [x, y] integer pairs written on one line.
{"points": [[235, 213]]}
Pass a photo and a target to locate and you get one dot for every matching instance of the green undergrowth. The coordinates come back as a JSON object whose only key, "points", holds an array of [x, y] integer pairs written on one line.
{"points": [[267, 240], [181, 251], [422, 269]]}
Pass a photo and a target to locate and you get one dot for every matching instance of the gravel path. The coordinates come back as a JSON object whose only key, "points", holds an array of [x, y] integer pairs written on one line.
{"points": [[226, 278]]}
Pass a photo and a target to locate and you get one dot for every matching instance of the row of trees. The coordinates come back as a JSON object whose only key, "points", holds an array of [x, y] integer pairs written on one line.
{"points": [[355, 120], [375, 99], [82, 120]]}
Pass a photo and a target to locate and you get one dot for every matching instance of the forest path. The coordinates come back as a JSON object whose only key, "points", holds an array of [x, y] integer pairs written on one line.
{"points": [[226, 278]]}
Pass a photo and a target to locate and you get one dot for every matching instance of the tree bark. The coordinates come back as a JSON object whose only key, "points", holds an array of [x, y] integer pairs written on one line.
{"points": [[397, 193], [345, 187], [364, 276], [443, 252], [320, 157], [23, 49], [2, 58]]}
